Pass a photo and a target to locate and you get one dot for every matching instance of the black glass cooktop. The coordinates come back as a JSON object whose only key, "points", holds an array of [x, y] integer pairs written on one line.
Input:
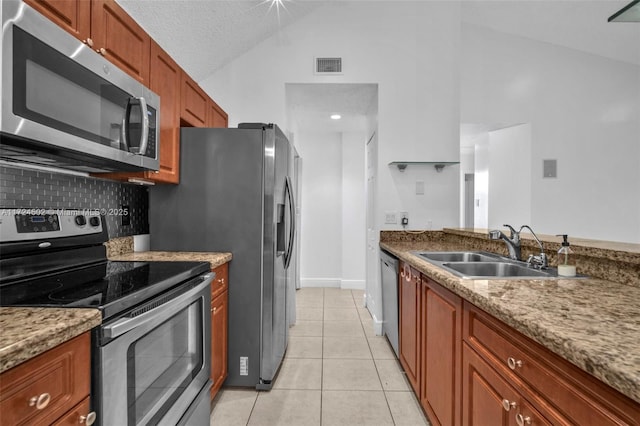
{"points": [[112, 287]]}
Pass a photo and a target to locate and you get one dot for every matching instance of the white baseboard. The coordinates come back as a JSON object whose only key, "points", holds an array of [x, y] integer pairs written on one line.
{"points": [[377, 325], [320, 282], [352, 284]]}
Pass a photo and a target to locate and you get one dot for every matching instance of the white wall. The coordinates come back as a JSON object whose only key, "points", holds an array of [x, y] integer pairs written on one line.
{"points": [[584, 111], [333, 217], [510, 177], [353, 210], [410, 49], [481, 187], [321, 216]]}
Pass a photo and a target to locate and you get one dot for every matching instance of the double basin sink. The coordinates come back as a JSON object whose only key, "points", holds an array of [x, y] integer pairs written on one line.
{"points": [[484, 265]]}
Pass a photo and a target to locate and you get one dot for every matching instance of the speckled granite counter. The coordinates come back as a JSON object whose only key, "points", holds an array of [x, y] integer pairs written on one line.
{"points": [[592, 323], [216, 259], [27, 332]]}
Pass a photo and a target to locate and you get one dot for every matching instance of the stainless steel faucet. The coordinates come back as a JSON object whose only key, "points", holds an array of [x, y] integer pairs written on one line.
{"points": [[514, 246], [541, 261], [513, 241]]}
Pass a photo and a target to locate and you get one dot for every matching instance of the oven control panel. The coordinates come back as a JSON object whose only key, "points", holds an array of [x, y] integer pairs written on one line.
{"points": [[31, 224]]}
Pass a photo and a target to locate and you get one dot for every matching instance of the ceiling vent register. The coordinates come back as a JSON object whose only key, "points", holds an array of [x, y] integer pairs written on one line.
{"points": [[328, 65]]}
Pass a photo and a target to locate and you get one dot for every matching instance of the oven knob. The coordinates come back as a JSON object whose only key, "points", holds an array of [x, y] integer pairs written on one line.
{"points": [[81, 220], [94, 221]]}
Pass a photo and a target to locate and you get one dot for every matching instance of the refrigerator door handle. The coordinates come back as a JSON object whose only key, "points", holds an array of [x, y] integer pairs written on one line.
{"points": [[292, 228]]}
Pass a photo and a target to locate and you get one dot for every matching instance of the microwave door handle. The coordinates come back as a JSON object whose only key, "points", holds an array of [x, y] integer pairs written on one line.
{"points": [[144, 138], [124, 130]]}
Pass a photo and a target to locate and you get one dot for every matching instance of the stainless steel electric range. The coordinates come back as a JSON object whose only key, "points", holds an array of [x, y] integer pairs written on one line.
{"points": [[150, 359]]}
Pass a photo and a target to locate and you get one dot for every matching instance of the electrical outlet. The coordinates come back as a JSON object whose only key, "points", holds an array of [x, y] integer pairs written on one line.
{"points": [[404, 218], [390, 218]]}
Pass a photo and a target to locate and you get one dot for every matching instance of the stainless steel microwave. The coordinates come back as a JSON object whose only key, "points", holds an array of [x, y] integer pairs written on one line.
{"points": [[65, 105]]}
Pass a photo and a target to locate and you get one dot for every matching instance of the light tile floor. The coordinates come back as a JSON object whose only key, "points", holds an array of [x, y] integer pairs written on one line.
{"points": [[336, 372]]}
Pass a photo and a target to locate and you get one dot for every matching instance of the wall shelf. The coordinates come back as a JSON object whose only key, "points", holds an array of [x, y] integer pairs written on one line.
{"points": [[439, 165]]}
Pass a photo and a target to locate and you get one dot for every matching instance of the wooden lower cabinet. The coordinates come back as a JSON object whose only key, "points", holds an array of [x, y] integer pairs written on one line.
{"points": [[409, 324], [219, 327], [469, 368], [49, 387], [441, 355], [489, 399]]}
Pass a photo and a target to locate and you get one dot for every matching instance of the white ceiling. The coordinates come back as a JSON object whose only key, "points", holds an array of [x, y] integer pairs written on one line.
{"points": [[204, 35]]}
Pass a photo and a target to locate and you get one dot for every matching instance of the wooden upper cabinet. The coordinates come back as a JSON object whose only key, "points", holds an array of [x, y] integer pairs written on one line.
{"points": [[194, 103], [164, 79], [217, 117], [72, 15], [120, 39]]}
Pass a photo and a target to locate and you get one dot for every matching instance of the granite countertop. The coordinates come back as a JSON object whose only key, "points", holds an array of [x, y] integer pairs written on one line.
{"points": [[27, 332], [215, 259], [592, 323]]}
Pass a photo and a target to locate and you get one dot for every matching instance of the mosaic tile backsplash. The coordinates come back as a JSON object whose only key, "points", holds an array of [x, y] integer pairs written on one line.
{"points": [[26, 188]]}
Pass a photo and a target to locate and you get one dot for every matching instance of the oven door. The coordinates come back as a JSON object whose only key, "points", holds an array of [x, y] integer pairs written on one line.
{"points": [[155, 362]]}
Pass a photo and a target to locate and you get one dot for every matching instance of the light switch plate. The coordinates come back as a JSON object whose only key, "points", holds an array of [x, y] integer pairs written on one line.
{"points": [[549, 168], [390, 218]]}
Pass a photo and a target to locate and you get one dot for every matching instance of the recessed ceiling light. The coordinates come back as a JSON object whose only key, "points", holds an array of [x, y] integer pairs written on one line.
{"points": [[336, 116]]}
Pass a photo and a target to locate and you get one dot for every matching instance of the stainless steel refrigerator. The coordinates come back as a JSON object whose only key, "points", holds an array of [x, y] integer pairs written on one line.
{"points": [[236, 195]]}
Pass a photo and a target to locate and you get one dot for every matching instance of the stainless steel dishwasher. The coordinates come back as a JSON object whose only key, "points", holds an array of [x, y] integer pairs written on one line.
{"points": [[389, 273]]}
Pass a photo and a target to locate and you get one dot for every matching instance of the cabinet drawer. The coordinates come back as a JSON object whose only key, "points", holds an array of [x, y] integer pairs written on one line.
{"points": [[62, 373], [550, 380], [77, 416], [221, 282]]}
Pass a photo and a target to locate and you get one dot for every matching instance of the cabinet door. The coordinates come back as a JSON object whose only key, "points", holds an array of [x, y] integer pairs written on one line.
{"points": [[120, 39], [219, 328], [164, 79], [217, 117], [410, 325], [441, 353], [74, 16], [194, 105], [43, 389], [489, 399]]}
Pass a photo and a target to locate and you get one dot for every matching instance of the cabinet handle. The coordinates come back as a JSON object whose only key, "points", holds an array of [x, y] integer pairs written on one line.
{"points": [[89, 419], [102, 51], [402, 274], [221, 280], [523, 420], [513, 363], [41, 401], [508, 405], [214, 310], [88, 42]]}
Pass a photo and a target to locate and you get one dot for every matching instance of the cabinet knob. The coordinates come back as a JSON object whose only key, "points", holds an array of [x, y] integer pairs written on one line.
{"points": [[214, 310], [88, 42], [102, 51], [513, 363], [40, 401], [402, 274], [508, 405], [89, 419], [523, 420], [221, 280]]}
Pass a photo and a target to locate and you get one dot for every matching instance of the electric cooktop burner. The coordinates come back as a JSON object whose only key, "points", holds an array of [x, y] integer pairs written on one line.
{"points": [[109, 286]]}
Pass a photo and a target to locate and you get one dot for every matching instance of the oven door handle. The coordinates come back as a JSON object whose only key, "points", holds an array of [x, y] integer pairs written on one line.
{"points": [[159, 312]]}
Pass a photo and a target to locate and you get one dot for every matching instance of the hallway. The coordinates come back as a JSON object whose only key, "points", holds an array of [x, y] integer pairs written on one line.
{"points": [[336, 372]]}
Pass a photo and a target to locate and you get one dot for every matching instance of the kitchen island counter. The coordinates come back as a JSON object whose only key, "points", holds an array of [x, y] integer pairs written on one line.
{"points": [[592, 323], [27, 332]]}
